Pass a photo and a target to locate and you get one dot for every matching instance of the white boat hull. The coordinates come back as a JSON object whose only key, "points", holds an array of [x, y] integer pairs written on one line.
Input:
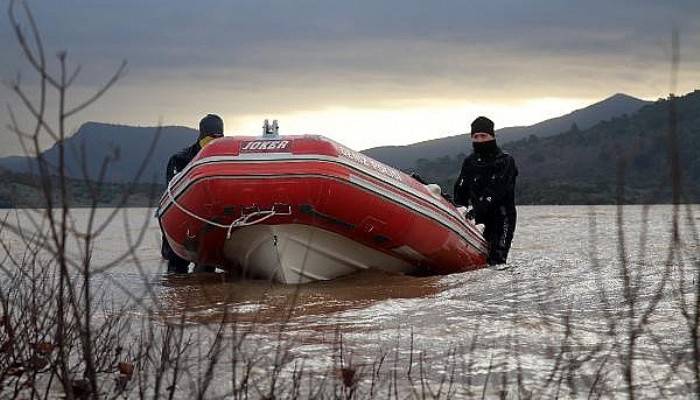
{"points": [[294, 253]]}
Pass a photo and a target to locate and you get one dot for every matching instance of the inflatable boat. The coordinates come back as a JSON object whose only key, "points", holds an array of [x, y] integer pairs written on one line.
{"points": [[296, 209]]}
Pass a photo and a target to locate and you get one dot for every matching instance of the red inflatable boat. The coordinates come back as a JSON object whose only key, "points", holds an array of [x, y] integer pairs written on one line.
{"points": [[302, 208]]}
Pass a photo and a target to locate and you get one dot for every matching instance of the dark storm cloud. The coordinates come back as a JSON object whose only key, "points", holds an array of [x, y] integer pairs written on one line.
{"points": [[228, 34]]}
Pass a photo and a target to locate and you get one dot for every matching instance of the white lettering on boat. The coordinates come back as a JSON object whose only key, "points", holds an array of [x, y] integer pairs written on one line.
{"points": [[362, 159], [265, 146]]}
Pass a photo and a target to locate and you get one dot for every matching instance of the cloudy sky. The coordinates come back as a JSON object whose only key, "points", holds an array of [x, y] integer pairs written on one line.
{"points": [[366, 73]]}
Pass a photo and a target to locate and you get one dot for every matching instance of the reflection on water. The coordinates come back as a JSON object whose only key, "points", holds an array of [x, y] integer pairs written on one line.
{"points": [[209, 298]]}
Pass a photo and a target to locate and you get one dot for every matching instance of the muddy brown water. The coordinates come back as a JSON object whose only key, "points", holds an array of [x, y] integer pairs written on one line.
{"points": [[561, 290]]}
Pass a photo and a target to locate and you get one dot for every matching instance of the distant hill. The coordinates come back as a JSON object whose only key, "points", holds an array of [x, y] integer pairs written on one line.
{"points": [[406, 157], [19, 190], [576, 166], [127, 146], [9, 144], [580, 166]]}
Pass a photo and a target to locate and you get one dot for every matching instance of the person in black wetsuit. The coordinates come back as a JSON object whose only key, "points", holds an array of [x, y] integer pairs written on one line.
{"points": [[487, 183], [210, 128]]}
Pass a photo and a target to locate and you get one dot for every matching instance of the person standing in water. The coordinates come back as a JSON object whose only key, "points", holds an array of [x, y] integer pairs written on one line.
{"points": [[487, 183], [210, 128]]}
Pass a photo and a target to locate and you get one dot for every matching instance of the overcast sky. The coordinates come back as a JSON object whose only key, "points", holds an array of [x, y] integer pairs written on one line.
{"points": [[366, 73]]}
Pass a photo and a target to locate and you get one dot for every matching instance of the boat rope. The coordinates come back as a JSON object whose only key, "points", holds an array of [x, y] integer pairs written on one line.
{"points": [[244, 220]]}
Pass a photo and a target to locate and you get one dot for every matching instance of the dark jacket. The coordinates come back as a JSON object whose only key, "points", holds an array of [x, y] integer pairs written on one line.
{"points": [[179, 160], [487, 183], [177, 163]]}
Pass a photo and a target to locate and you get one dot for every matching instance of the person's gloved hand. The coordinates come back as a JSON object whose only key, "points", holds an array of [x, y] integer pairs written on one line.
{"points": [[419, 178], [471, 214], [482, 207]]}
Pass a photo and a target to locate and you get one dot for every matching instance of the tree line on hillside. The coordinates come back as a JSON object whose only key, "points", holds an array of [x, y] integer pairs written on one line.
{"points": [[588, 166], [575, 167], [26, 191]]}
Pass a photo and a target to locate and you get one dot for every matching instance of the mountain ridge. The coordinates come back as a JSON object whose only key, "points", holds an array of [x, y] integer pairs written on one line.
{"points": [[127, 148], [406, 157], [578, 166], [625, 155]]}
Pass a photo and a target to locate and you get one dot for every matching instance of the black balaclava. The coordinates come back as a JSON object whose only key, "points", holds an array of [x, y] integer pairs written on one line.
{"points": [[485, 149], [484, 125]]}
